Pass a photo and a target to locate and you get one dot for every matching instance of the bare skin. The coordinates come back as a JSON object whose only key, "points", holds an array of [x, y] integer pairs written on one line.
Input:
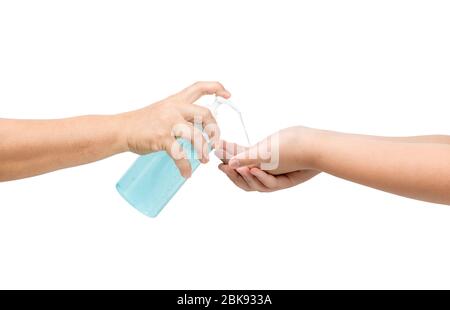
{"points": [[415, 167], [33, 147]]}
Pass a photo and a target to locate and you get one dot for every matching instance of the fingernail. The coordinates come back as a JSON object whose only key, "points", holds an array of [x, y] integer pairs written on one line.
{"points": [[234, 163], [242, 169]]}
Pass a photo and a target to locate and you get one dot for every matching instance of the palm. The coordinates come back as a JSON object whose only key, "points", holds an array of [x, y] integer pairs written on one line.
{"points": [[255, 179]]}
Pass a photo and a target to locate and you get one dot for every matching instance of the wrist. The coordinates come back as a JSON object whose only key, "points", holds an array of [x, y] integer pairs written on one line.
{"points": [[320, 141], [308, 146], [119, 125]]}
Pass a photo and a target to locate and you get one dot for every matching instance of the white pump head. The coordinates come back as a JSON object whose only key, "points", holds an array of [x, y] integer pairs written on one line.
{"points": [[222, 101]]}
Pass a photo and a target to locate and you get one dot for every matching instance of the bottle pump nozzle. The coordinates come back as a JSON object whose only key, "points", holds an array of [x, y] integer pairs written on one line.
{"points": [[219, 101]]}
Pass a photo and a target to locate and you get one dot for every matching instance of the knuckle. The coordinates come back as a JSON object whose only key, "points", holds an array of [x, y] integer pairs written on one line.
{"points": [[209, 114], [217, 84], [180, 128], [198, 84], [206, 113], [169, 144]]}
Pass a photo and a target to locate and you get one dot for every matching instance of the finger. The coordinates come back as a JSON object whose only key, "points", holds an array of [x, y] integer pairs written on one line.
{"points": [[256, 155], [294, 178], [222, 155], [249, 157], [265, 178], [199, 89], [251, 180], [201, 115], [226, 150], [195, 136], [174, 149], [235, 177]]}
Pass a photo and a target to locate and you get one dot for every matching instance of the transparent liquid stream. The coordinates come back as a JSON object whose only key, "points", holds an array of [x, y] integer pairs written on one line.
{"points": [[245, 128]]}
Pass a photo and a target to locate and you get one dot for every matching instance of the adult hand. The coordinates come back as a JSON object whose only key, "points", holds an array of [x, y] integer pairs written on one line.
{"points": [[157, 126]]}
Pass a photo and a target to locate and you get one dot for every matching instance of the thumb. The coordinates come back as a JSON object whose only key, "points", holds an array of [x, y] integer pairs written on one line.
{"points": [[174, 149]]}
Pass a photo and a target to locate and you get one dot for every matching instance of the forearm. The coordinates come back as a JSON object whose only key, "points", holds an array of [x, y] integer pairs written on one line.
{"points": [[442, 139], [416, 170], [32, 147]]}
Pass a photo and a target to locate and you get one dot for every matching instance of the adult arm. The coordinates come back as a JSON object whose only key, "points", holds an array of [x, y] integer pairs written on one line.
{"points": [[32, 147]]}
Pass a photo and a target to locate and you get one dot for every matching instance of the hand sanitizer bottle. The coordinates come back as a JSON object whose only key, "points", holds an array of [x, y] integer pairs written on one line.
{"points": [[154, 179]]}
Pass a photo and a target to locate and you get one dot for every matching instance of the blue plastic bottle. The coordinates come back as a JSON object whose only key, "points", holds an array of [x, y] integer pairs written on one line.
{"points": [[153, 179]]}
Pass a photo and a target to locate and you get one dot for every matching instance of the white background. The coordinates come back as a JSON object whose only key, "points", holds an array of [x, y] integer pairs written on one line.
{"points": [[376, 67]]}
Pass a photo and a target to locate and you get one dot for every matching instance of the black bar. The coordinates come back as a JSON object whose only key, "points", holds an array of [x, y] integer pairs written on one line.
{"points": [[212, 299]]}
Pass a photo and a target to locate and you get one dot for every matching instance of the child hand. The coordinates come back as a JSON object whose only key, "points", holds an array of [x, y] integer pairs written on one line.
{"points": [[285, 151], [255, 179]]}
